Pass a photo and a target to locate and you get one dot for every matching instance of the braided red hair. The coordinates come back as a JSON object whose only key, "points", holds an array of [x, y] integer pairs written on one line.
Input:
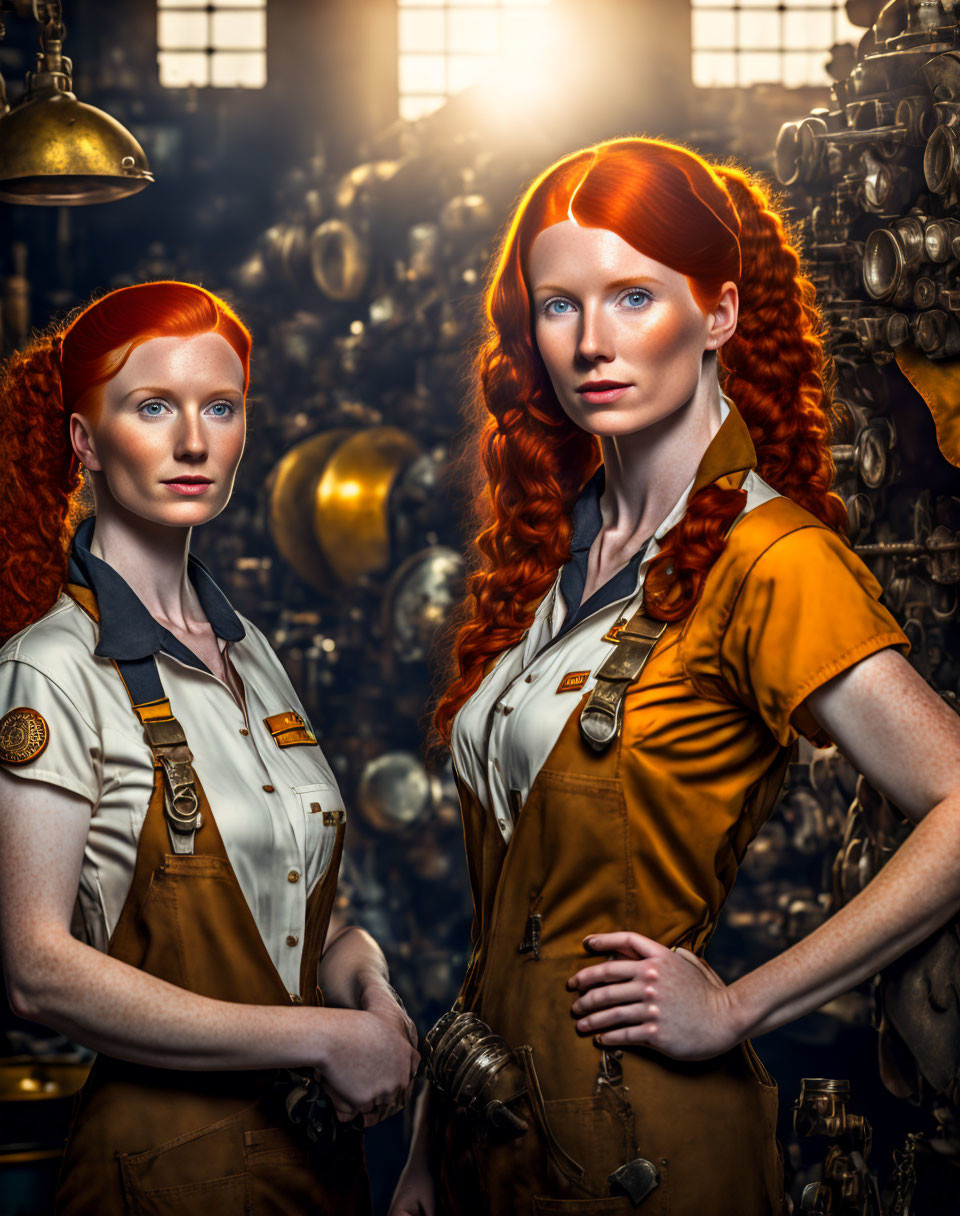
{"points": [[713, 224]]}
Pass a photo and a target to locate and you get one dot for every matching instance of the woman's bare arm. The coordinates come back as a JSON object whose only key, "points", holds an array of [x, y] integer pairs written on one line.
{"points": [[906, 740], [112, 1007]]}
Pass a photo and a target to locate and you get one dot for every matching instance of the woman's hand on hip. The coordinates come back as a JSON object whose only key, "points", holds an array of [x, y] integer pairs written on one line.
{"points": [[651, 996]]}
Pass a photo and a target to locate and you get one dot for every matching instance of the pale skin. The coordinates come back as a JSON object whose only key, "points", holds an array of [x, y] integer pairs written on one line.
{"points": [[175, 411], [880, 712]]}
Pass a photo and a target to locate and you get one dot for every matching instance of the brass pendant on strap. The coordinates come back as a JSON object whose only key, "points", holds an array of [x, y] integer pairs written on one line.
{"points": [[601, 717], [181, 803]]}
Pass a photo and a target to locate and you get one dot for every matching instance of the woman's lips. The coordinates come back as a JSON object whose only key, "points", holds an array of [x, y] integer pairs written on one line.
{"points": [[188, 487], [600, 396]]}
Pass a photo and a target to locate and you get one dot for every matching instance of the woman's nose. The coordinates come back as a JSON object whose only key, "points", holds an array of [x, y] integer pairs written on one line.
{"points": [[190, 437], [596, 335]]}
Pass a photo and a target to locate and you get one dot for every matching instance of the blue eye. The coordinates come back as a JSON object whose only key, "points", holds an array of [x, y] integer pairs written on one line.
{"points": [[636, 297], [152, 409], [222, 409], [557, 308]]}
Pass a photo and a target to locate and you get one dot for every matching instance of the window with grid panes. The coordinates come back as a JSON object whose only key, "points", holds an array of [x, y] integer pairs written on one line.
{"points": [[447, 45], [212, 43], [767, 41]]}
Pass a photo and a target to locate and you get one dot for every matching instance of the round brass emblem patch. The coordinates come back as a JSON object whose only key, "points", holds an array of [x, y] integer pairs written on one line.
{"points": [[23, 735]]}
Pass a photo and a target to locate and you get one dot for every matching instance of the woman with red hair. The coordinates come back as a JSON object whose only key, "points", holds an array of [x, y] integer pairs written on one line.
{"points": [[663, 600], [182, 938]]}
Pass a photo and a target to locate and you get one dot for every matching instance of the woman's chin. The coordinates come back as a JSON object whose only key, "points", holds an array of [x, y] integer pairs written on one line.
{"points": [[181, 513]]}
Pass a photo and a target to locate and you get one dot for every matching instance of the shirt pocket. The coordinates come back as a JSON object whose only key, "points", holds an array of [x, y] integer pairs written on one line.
{"points": [[323, 813]]}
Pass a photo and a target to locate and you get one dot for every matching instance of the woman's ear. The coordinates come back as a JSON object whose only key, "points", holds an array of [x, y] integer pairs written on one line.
{"points": [[81, 438], [722, 321]]}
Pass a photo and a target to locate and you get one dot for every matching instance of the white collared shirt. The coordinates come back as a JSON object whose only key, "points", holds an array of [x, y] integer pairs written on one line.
{"points": [[502, 736], [268, 801]]}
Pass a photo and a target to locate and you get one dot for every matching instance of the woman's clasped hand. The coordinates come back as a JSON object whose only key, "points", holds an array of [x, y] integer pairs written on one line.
{"points": [[646, 994], [371, 1061]]}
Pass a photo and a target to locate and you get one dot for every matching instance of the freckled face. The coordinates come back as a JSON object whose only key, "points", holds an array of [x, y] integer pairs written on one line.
{"points": [[606, 315], [170, 430]]}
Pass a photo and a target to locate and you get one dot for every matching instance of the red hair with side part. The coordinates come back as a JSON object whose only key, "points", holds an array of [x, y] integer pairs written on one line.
{"points": [[56, 375], [713, 224]]}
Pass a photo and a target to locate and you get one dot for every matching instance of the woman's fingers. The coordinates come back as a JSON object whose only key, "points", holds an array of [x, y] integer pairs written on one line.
{"points": [[617, 1015], [634, 945], [631, 1036], [607, 995], [610, 972]]}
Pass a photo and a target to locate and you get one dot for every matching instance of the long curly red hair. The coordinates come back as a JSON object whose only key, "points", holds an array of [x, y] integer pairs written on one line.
{"points": [[712, 223], [56, 375]]}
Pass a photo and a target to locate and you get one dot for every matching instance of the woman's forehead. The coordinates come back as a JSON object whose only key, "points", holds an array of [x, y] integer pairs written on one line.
{"points": [[575, 252], [197, 358]]}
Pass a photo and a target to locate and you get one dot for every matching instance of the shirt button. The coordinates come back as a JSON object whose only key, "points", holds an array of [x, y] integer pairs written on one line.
{"points": [[293, 876], [508, 709], [296, 998], [292, 939], [502, 823], [268, 789], [528, 679], [244, 731]]}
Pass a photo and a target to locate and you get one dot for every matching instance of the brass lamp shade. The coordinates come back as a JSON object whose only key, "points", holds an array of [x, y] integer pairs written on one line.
{"points": [[57, 151]]}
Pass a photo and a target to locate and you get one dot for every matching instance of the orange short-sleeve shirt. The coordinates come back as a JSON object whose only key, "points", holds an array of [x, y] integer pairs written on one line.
{"points": [[788, 606], [709, 727]]}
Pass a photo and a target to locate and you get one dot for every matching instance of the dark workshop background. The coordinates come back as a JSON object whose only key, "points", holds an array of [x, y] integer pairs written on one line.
{"points": [[339, 170]]}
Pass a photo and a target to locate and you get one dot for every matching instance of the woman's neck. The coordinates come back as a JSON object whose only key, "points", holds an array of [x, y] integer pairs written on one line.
{"points": [[151, 558], [646, 472]]}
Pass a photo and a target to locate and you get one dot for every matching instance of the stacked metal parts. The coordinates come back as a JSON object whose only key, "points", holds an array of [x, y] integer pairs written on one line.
{"points": [[874, 181]]}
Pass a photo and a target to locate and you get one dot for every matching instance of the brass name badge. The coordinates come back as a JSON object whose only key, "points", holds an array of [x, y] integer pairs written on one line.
{"points": [[613, 633], [23, 735], [573, 681], [289, 730]]}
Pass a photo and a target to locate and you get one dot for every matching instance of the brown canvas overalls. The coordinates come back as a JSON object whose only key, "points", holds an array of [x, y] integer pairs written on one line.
{"points": [[648, 835], [708, 1127], [582, 860], [164, 1142]]}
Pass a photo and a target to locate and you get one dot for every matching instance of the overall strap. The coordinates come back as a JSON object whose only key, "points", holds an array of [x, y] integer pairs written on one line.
{"points": [[164, 734], [171, 755], [602, 715]]}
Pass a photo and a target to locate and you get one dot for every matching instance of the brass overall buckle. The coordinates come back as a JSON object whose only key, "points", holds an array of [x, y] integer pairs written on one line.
{"points": [[181, 804]]}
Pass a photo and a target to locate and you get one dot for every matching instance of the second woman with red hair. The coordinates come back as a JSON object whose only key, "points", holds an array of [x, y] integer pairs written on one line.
{"points": [[170, 832], [662, 601]]}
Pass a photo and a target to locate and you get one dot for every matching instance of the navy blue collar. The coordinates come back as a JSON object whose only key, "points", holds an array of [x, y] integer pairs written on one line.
{"points": [[127, 630], [587, 519]]}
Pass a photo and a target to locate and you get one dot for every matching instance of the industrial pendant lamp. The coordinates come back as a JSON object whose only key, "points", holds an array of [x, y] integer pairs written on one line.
{"points": [[55, 150]]}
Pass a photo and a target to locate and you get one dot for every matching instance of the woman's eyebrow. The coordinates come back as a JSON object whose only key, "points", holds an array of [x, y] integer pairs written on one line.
{"points": [[636, 280], [162, 391]]}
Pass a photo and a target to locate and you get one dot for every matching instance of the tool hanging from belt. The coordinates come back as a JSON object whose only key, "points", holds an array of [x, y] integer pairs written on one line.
{"points": [[602, 716], [171, 755]]}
